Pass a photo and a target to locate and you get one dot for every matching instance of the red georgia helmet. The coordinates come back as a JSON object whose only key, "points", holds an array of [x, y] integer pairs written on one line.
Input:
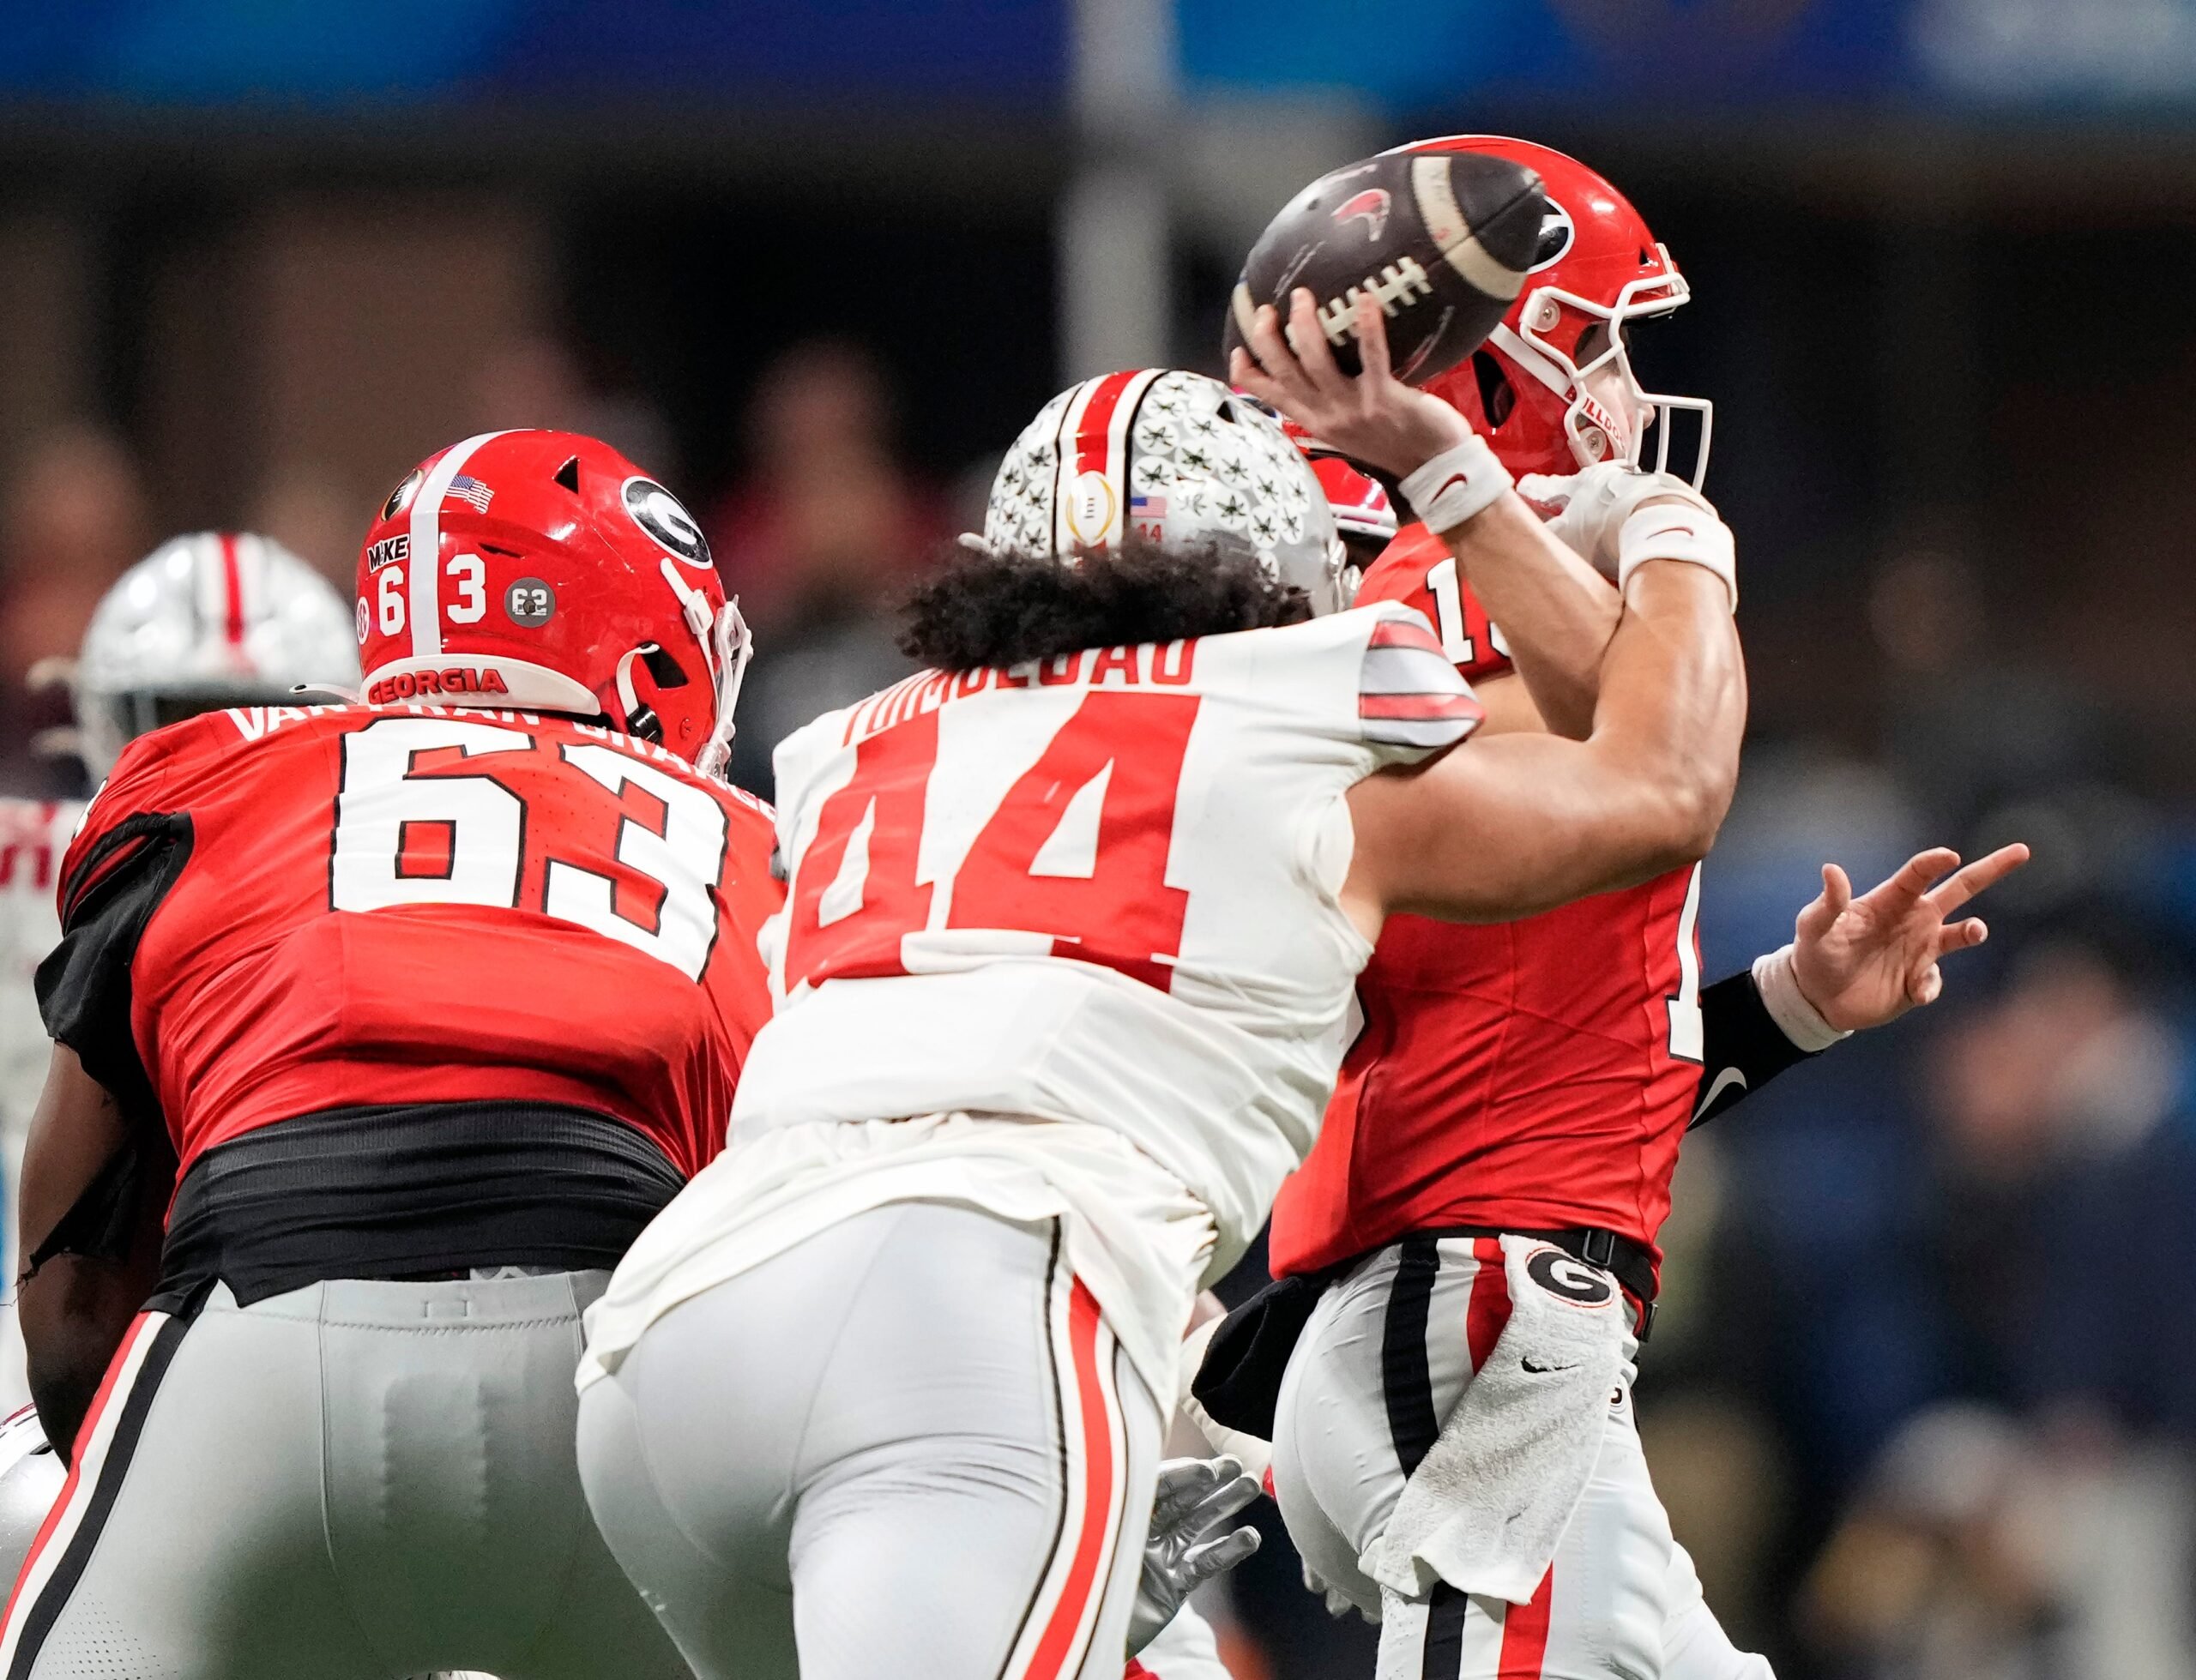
{"points": [[1599, 264], [545, 571], [1362, 509], [1363, 513]]}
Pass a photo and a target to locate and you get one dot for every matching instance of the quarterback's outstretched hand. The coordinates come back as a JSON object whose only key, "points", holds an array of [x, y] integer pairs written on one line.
{"points": [[1863, 961], [1194, 1537], [1373, 417]]}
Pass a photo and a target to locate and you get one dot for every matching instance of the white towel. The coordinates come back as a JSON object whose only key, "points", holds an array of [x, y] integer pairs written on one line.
{"points": [[1487, 1508]]}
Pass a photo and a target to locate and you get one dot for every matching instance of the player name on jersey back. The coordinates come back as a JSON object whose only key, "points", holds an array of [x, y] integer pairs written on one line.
{"points": [[1097, 889]]}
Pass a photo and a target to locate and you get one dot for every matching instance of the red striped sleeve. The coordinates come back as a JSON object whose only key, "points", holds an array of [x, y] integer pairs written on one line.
{"points": [[1408, 693], [1410, 632], [1418, 706]]}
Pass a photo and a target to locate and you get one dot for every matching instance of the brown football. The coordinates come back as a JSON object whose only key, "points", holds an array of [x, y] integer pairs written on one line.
{"points": [[1442, 240]]}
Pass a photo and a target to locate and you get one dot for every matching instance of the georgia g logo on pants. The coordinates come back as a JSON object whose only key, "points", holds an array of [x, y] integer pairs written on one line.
{"points": [[1570, 1279]]}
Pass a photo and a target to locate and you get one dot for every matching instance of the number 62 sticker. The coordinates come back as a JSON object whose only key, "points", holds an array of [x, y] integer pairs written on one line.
{"points": [[530, 602]]}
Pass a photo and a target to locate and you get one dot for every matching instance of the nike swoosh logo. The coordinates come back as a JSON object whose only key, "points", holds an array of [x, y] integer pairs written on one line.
{"points": [[1453, 478], [1538, 1369], [1724, 1081]]}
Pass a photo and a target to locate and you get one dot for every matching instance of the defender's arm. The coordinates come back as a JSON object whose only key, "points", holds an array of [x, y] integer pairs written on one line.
{"points": [[1557, 613], [1509, 826], [92, 1201]]}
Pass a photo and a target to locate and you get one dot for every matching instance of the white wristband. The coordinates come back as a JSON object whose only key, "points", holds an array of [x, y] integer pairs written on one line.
{"points": [[1677, 532], [1788, 1006], [1456, 485]]}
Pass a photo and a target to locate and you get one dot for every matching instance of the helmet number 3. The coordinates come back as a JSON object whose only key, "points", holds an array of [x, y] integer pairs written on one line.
{"points": [[451, 834], [468, 604], [470, 576]]}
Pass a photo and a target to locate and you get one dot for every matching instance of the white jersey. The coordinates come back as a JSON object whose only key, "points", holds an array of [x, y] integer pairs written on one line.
{"points": [[1063, 941], [34, 834]]}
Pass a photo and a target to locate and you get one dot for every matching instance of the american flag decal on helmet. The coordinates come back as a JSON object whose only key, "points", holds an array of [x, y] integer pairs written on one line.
{"points": [[1408, 694], [471, 492]]}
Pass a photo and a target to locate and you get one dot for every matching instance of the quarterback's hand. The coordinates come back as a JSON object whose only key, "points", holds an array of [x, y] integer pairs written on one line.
{"points": [[1193, 1538], [1373, 417], [1863, 961], [1588, 509]]}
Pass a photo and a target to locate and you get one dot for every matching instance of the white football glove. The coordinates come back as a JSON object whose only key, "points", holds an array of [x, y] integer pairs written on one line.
{"points": [[1589, 508], [1193, 1538]]}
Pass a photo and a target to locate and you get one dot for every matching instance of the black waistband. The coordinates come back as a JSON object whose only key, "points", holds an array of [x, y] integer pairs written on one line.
{"points": [[410, 1190]]}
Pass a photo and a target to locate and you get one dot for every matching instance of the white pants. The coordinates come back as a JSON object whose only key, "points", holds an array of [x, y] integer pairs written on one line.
{"points": [[908, 1446], [1384, 1360], [353, 1481], [1185, 1650]]}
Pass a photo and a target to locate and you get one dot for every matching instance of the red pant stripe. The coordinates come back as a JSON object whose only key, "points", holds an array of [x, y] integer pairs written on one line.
{"points": [[1525, 1634], [1094, 1541], [1488, 1309]]}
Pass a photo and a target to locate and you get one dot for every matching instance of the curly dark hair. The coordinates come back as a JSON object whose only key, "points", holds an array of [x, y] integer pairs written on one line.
{"points": [[985, 612]]}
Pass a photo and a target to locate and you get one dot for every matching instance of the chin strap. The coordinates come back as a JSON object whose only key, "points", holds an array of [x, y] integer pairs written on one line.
{"points": [[640, 719]]}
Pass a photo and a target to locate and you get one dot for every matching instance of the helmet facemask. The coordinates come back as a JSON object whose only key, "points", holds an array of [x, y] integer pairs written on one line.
{"points": [[726, 647], [1595, 435]]}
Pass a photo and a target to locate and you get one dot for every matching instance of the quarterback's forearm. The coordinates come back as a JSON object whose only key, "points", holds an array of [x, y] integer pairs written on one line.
{"points": [[1743, 1046], [1557, 613]]}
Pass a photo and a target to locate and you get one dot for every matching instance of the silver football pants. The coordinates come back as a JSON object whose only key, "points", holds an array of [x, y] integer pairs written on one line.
{"points": [[354, 1481], [907, 1446]]}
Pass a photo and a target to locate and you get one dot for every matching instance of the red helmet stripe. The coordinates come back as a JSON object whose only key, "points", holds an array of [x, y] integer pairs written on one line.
{"points": [[233, 590], [425, 584], [1099, 422], [1095, 442]]}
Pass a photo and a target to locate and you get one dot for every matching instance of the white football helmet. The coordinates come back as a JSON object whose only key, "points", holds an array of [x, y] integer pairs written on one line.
{"points": [[1176, 458], [217, 618], [31, 1475]]}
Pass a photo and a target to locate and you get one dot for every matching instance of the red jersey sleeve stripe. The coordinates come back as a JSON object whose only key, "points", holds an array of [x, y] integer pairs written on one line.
{"points": [[1415, 705], [1411, 632]]}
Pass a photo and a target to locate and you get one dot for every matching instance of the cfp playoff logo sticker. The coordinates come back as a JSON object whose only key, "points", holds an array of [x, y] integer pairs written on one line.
{"points": [[1091, 509]]}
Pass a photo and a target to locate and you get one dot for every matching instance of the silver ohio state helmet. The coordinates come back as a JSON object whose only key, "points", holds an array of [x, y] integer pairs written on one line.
{"points": [[1175, 458], [217, 618], [31, 1475]]}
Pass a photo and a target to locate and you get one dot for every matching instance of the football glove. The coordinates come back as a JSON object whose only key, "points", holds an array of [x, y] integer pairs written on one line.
{"points": [[1588, 509], [1193, 1538]]}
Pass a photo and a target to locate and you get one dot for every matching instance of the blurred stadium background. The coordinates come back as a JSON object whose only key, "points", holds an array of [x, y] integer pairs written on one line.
{"points": [[1924, 1388]]}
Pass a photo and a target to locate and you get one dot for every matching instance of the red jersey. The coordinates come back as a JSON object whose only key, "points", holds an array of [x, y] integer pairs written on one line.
{"points": [[296, 910], [1536, 1075]]}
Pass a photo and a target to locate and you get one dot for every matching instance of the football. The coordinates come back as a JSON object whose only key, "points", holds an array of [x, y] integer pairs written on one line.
{"points": [[1442, 240]]}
